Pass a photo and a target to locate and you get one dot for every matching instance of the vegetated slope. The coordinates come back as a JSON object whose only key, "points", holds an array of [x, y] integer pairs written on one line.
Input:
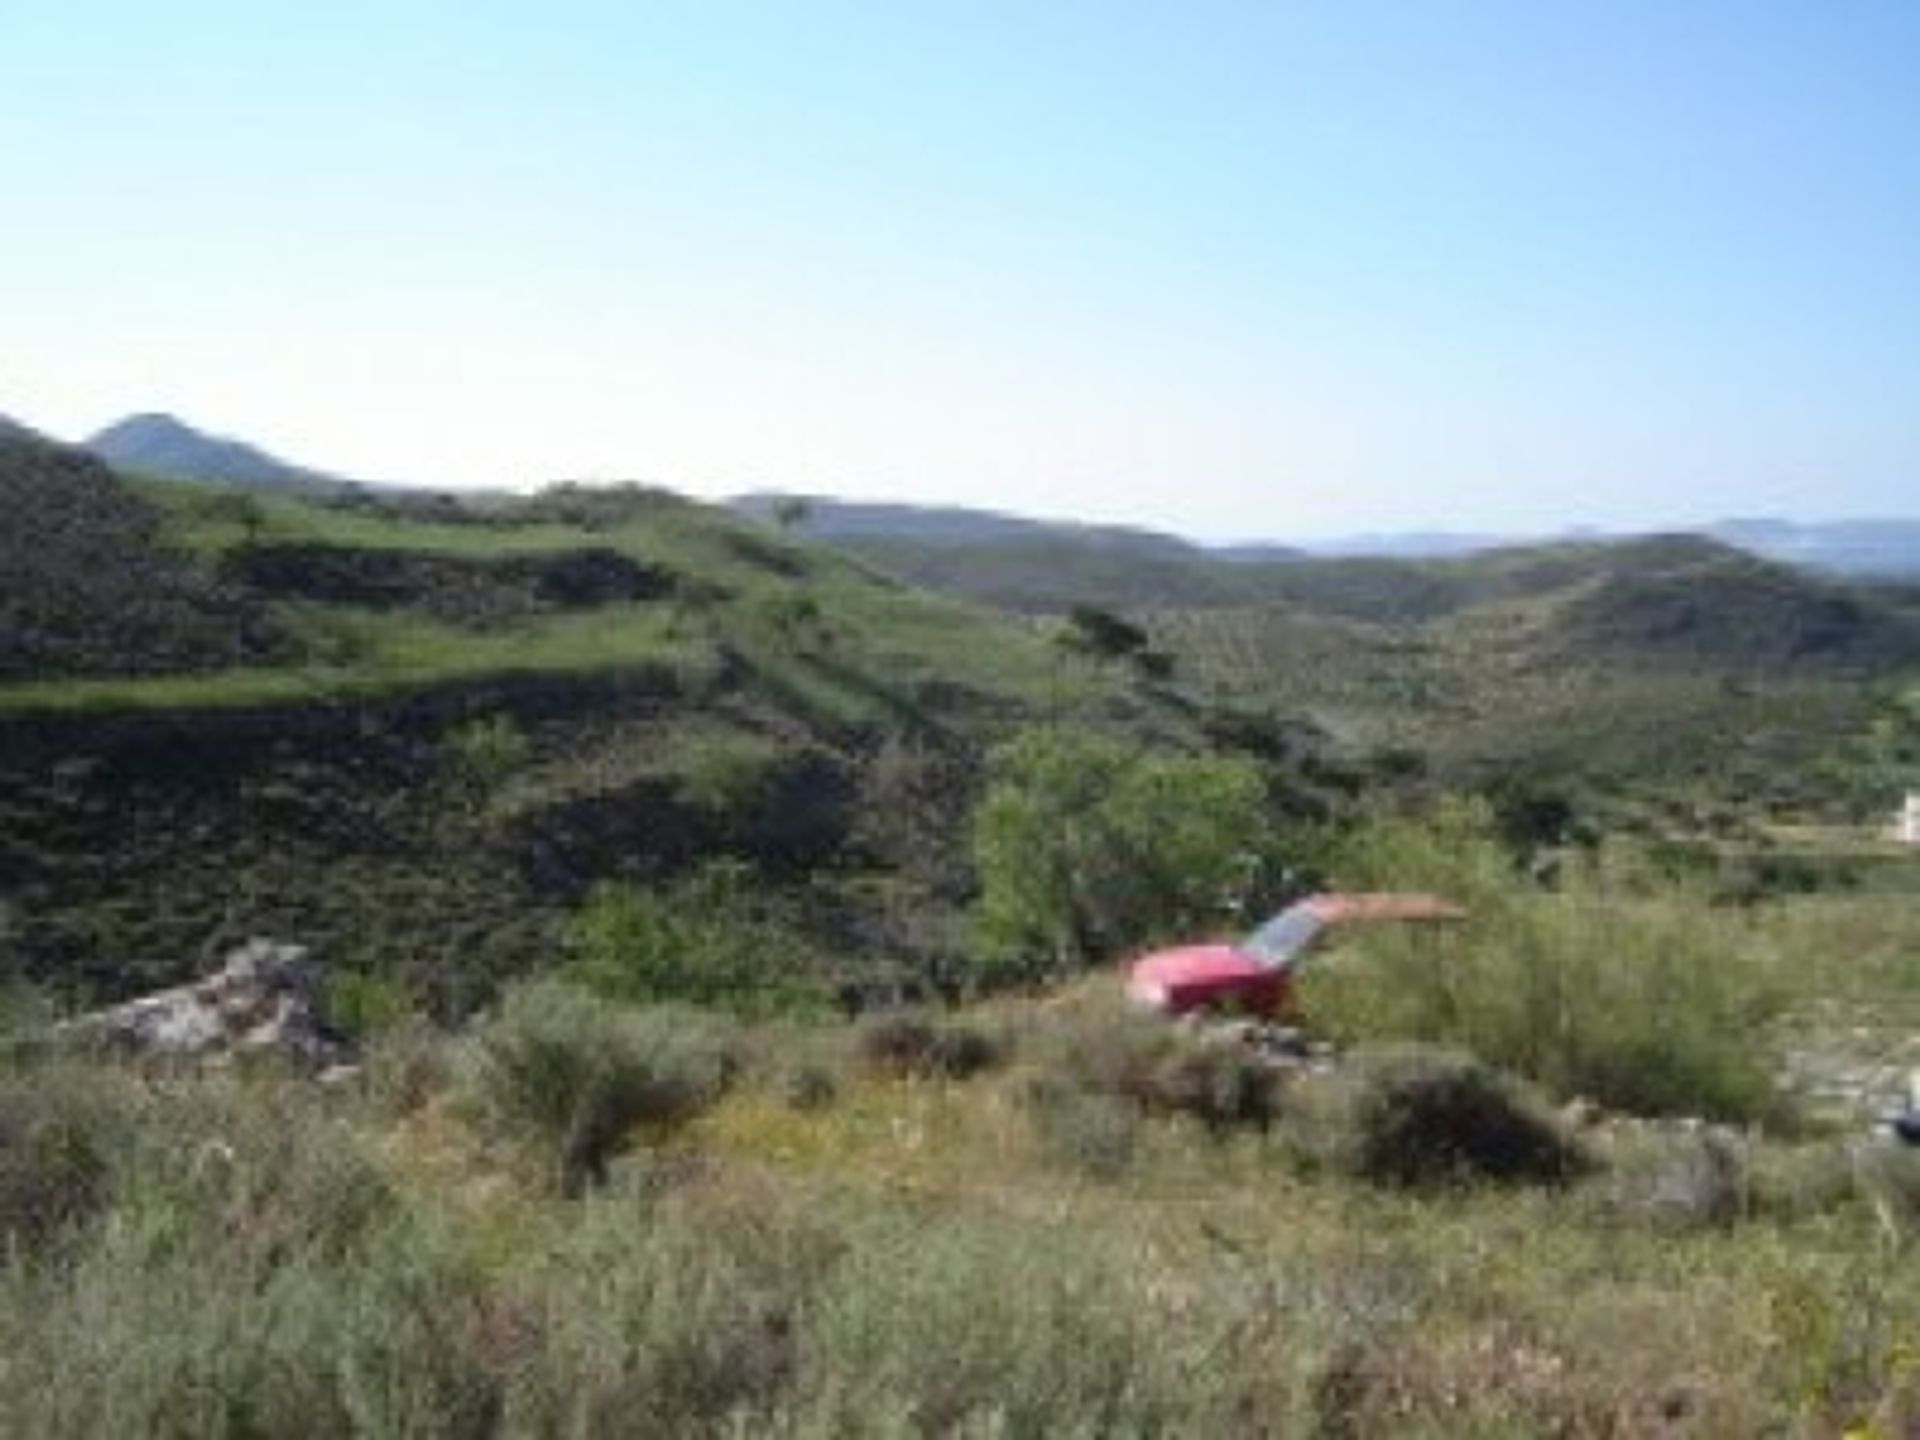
{"points": [[87, 587], [1732, 611], [1054, 573], [164, 445], [481, 714], [1050, 575], [1642, 662]]}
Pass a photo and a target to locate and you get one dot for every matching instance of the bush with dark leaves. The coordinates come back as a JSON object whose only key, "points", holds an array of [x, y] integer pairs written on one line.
{"points": [[1413, 1116]]}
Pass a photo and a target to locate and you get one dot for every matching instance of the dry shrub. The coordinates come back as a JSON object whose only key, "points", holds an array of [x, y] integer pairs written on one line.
{"points": [[910, 1045], [1497, 1379], [404, 1065], [690, 1323], [1164, 1068], [573, 1075], [60, 1131], [1417, 1116], [809, 1087]]}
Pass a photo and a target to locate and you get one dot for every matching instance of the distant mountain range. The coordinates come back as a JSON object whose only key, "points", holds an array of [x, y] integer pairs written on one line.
{"points": [[1888, 547], [824, 518], [164, 445], [1867, 548]]}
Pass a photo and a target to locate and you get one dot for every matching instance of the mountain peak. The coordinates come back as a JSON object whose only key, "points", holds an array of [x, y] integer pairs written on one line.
{"points": [[167, 445]]}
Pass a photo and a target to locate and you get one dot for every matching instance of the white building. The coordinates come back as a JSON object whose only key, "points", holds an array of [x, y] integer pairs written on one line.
{"points": [[1907, 829]]}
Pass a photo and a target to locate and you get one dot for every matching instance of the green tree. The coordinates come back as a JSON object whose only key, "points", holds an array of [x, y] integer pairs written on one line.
{"points": [[1086, 846]]}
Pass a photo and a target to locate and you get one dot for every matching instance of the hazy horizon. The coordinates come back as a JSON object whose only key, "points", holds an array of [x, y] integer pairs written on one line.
{"points": [[1231, 271]]}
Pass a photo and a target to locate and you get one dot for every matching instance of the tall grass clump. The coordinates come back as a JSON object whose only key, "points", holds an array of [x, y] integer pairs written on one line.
{"points": [[61, 1129], [1648, 1003], [571, 1075]]}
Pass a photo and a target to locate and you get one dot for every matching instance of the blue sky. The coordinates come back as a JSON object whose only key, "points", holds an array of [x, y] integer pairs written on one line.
{"points": [[1230, 269]]}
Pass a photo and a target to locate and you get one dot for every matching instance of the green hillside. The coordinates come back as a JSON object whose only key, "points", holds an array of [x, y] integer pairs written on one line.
{"points": [[419, 732], [1641, 662]]}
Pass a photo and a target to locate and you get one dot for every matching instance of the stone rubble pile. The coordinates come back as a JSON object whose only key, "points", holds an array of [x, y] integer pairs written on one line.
{"points": [[263, 1000]]}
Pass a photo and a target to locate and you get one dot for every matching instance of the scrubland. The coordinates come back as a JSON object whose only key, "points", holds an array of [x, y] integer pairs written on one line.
{"points": [[1036, 1215]]}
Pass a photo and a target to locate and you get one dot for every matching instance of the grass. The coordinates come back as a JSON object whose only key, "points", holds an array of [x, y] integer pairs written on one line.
{"points": [[385, 653], [906, 1255]]}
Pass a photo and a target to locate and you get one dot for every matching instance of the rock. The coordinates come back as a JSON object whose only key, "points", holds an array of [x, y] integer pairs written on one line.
{"points": [[264, 1000], [1580, 1113]]}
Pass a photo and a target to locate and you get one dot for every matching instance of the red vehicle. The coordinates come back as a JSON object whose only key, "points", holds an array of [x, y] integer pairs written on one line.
{"points": [[1255, 975]]}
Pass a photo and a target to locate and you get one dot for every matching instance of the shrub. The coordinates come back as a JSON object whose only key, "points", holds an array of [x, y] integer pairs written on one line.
{"points": [[959, 1328], [809, 1087], [1102, 633], [574, 1075], [903, 1045], [486, 750], [169, 1331], [1645, 1004], [260, 1165], [359, 1004], [691, 1324], [1418, 1116], [1164, 1069], [404, 1065], [60, 1131], [252, 1273], [701, 942]]}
